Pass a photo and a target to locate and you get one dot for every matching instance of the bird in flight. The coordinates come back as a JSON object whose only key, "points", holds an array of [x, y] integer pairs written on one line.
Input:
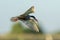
{"points": [[29, 20]]}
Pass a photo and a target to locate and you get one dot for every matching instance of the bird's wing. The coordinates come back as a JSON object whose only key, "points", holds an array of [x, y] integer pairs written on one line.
{"points": [[35, 25], [32, 25], [30, 10]]}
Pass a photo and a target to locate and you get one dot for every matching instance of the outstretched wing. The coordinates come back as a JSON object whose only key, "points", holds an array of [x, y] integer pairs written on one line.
{"points": [[32, 25], [30, 10]]}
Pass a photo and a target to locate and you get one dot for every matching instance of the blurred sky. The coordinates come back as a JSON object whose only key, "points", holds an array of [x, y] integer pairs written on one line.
{"points": [[46, 11]]}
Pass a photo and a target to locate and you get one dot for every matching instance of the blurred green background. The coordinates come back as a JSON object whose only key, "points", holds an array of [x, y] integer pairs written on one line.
{"points": [[18, 28]]}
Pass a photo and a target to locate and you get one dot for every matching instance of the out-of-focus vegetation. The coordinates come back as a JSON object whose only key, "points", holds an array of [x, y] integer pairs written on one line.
{"points": [[19, 33], [18, 28]]}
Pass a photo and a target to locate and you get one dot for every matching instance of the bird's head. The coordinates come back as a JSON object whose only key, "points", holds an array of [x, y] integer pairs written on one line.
{"points": [[14, 19]]}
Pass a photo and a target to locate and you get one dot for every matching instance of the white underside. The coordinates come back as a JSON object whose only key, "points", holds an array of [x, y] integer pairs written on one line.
{"points": [[30, 24]]}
